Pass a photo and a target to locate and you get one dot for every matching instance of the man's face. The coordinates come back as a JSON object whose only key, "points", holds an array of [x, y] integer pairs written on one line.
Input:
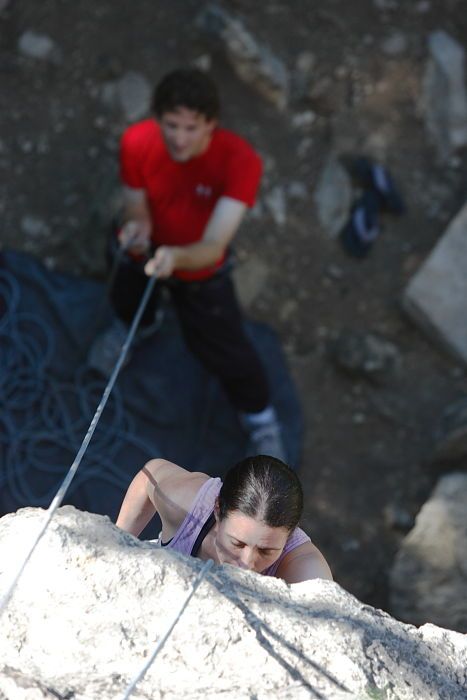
{"points": [[186, 133], [248, 543]]}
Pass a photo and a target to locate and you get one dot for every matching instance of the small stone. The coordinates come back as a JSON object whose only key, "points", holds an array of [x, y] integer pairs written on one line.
{"points": [[26, 146], [423, 6], [34, 227], [38, 46], [397, 518], [341, 72], [385, 4], [203, 62], [332, 196], [303, 120], [305, 62], [304, 147], [334, 272], [100, 122], [297, 190], [365, 355], [358, 418], [133, 93], [395, 44], [288, 309], [350, 545], [322, 332], [250, 280], [43, 145], [276, 203], [50, 263]]}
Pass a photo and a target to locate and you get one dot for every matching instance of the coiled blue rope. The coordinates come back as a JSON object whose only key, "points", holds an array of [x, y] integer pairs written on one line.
{"points": [[42, 419]]}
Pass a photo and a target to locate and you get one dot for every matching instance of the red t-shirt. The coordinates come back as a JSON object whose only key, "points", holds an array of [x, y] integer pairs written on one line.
{"points": [[182, 196]]}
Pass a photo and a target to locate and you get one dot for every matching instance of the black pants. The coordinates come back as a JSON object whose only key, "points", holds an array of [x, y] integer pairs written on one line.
{"points": [[212, 326]]}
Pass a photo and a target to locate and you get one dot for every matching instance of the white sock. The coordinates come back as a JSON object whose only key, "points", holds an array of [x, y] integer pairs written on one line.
{"points": [[267, 415]]}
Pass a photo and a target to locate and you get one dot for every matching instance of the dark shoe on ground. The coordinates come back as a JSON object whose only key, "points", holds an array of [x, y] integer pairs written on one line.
{"points": [[362, 228], [377, 177]]}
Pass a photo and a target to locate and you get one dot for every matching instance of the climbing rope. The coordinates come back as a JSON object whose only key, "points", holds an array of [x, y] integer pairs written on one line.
{"points": [[20, 389], [131, 686]]}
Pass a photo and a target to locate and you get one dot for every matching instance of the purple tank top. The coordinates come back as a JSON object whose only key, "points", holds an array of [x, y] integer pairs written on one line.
{"points": [[202, 509]]}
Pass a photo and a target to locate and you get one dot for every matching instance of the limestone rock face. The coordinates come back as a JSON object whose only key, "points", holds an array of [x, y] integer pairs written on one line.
{"points": [[429, 577], [93, 602]]}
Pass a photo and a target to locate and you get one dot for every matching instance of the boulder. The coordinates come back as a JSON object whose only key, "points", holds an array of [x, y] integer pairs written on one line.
{"points": [[333, 196], [436, 297], [444, 94], [365, 355], [93, 602], [253, 62], [428, 581]]}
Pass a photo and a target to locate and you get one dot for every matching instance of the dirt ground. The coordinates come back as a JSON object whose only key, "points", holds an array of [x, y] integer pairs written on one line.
{"points": [[367, 446]]}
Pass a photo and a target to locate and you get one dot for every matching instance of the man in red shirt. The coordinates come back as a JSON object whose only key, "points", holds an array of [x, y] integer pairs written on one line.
{"points": [[186, 185]]}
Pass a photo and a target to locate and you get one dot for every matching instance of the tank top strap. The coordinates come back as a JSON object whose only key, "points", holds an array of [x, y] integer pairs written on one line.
{"points": [[200, 510]]}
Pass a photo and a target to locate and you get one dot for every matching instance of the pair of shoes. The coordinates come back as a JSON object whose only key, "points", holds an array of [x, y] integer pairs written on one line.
{"points": [[362, 228], [378, 178], [265, 438]]}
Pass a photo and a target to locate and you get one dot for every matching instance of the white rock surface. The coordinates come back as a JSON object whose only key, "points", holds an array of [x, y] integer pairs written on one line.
{"points": [[93, 602], [445, 96], [429, 576], [333, 196], [436, 296]]}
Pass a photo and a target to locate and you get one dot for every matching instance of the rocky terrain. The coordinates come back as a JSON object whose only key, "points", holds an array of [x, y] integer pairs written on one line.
{"points": [[305, 83]]}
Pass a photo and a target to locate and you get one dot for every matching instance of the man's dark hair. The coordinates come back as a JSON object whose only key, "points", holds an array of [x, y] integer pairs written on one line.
{"points": [[190, 88], [263, 488]]}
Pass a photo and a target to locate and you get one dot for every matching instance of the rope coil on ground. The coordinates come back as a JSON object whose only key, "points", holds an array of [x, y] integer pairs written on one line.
{"points": [[35, 355]]}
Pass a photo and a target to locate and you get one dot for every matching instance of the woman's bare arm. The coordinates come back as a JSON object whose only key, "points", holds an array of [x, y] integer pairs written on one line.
{"points": [[160, 487]]}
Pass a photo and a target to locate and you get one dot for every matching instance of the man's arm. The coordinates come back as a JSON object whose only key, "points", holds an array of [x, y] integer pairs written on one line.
{"points": [[135, 234], [220, 230], [304, 563]]}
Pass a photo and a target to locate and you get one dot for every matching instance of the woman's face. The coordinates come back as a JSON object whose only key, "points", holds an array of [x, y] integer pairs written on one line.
{"points": [[248, 543]]}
